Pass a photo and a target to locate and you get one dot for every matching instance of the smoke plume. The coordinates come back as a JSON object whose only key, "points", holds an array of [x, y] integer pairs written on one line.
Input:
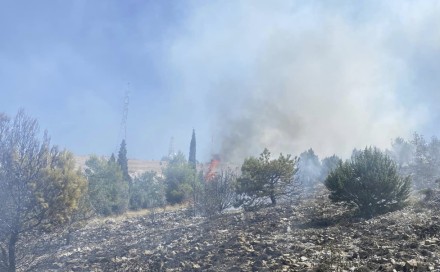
{"points": [[293, 76]]}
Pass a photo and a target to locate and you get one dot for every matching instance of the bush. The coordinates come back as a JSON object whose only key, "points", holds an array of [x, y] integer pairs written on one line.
{"points": [[178, 176], [108, 191], [218, 193], [147, 192], [370, 183]]}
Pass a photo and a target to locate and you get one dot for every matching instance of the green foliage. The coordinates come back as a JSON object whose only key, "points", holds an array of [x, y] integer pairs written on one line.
{"points": [[39, 186], [108, 191], [263, 178], [112, 158], [147, 192], [369, 182], [178, 176], [328, 165], [192, 150], [62, 187], [123, 161]]}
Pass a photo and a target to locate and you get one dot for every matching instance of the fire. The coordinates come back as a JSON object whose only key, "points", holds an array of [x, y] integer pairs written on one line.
{"points": [[212, 168]]}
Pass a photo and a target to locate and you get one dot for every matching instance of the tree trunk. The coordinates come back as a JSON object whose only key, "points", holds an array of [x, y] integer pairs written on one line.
{"points": [[194, 202], [69, 236], [12, 243], [273, 199], [272, 194]]}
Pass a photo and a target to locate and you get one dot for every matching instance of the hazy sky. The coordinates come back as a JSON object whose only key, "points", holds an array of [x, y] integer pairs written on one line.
{"points": [[287, 75]]}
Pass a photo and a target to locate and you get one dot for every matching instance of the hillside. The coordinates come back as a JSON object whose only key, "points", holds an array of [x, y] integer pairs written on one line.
{"points": [[308, 236], [135, 167]]}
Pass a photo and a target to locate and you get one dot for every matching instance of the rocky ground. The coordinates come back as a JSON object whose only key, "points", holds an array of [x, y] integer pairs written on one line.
{"points": [[313, 235]]}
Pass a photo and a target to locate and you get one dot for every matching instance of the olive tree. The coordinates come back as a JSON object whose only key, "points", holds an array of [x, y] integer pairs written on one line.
{"points": [[39, 185]]}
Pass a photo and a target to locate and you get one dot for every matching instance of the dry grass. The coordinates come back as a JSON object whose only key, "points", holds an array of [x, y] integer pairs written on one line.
{"points": [[144, 212], [138, 213]]}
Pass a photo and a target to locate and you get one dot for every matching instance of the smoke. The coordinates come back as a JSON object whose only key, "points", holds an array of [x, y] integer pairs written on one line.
{"points": [[292, 76]]}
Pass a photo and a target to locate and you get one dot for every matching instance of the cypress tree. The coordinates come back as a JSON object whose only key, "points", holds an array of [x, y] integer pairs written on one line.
{"points": [[192, 150], [112, 159], [123, 162]]}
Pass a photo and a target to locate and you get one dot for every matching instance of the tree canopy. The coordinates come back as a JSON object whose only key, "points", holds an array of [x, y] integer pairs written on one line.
{"points": [[123, 161], [147, 192], [369, 182], [39, 185], [192, 150], [108, 191], [263, 178], [328, 164], [178, 176]]}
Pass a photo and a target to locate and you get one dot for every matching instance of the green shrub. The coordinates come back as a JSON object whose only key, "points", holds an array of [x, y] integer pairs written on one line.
{"points": [[369, 182], [178, 175], [108, 191], [147, 192]]}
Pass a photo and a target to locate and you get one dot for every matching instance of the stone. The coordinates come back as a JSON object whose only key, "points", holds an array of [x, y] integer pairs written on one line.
{"points": [[411, 264]]}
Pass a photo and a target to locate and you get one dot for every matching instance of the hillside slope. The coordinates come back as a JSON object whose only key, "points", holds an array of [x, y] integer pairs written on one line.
{"points": [[311, 236]]}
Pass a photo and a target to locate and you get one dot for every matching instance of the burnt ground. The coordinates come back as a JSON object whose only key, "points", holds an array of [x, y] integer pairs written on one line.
{"points": [[313, 235]]}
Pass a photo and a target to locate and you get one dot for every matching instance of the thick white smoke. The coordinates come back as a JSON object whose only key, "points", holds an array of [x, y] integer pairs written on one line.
{"points": [[289, 77]]}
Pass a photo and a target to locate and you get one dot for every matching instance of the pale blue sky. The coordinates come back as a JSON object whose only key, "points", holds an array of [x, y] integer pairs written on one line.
{"points": [[245, 74]]}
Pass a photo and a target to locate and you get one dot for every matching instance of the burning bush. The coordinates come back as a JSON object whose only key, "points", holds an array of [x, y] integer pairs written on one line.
{"points": [[218, 192]]}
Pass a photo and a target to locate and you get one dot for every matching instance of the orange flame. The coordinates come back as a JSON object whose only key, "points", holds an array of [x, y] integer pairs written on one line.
{"points": [[212, 168]]}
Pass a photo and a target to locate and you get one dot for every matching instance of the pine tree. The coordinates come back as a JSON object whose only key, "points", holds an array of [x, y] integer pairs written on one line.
{"points": [[192, 150], [262, 178], [369, 182]]}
